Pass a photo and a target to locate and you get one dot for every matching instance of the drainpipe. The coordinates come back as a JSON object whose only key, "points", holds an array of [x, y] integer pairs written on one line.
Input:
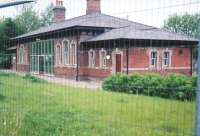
{"points": [[197, 133], [77, 55], [127, 60], [191, 61]]}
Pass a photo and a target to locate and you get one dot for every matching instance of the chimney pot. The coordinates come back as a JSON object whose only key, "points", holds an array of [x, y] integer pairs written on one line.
{"points": [[59, 11]]}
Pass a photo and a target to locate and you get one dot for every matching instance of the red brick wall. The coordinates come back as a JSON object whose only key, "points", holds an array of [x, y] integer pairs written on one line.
{"points": [[139, 61], [58, 14], [93, 6], [24, 67]]}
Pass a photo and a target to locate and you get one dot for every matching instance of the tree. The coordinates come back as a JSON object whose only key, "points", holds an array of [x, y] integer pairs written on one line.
{"points": [[47, 16], [184, 24], [8, 29], [28, 19]]}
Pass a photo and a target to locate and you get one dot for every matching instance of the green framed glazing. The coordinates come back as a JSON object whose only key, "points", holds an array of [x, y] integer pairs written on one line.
{"points": [[45, 50]]}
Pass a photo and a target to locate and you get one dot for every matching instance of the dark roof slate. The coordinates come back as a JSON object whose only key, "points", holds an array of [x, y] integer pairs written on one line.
{"points": [[130, 32], [122, 28], [90, 20]]}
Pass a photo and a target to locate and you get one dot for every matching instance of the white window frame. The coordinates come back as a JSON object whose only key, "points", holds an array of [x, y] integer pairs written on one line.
{"points": [[91, 59], [21, 54], [169, 58], [59, 56], [103, 60], [73, 53], [66, 55], [155, 59]]}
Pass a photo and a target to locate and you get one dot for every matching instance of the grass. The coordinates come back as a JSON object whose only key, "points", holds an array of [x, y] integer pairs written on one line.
{"points": [[29, 108]]}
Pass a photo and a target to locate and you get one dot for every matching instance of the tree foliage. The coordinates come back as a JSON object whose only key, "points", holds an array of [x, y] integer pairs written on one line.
{"points": [[184, 24], [8, 28], [47, 16], [27, 20]]}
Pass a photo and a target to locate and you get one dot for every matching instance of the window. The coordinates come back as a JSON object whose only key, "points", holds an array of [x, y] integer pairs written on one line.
{"points": [[166, 59], [102, 58], [21, 54], [154, 58], [58, 54], [65, 52], [73, 54], [91, 58]]}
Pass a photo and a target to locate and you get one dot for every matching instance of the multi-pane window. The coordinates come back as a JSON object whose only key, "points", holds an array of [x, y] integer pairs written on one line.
{"points": [[73, 54], [91, 58], [41, 55], [166, 58], [154, 58], [102, 58], [65, 52], [21, 54]]}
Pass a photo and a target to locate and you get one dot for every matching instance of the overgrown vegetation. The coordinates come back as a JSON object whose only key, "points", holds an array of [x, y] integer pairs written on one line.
{"points": [[34, 79], [27, 20], [5, 61], [172, 86], [34, 109]]}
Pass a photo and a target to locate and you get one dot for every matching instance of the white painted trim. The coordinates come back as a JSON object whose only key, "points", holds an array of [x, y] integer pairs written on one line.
{"points": [[93, 63], [68, 53], [157, 61], [170, 58], [101, 59], [56, 55], [71, 57], [20, 60]]}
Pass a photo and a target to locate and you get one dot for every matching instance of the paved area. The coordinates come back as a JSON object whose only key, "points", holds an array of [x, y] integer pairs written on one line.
{"points": [[64, 81]]}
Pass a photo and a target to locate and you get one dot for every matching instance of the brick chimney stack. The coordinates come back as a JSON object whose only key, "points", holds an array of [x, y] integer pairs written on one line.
{"points": [[59, 12], [93, 6]]}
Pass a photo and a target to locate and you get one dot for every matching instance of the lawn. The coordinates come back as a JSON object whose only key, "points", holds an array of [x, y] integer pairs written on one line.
{"points": [[43, 109]]}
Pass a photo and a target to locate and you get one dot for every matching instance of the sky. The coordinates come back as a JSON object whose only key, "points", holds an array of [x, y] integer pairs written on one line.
{"points": [[149, 12]]}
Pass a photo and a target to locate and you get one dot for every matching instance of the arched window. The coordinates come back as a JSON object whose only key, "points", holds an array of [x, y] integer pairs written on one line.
{"points": [[91, 55], [102, 54], [58, 55], [21, 54], [154, 59], [166, 58], [73, 54], [66, 52]]}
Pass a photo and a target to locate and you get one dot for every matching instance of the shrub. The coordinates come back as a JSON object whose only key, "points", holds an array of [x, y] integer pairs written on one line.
{"points": [[118, 83], [173, 86], [34, 79], [5, 61]]}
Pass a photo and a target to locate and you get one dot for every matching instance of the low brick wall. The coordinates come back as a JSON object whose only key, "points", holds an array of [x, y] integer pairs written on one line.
{"points": [[22, 68]]}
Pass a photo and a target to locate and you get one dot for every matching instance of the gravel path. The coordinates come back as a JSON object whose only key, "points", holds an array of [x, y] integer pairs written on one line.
{"points": [[64, 81]]}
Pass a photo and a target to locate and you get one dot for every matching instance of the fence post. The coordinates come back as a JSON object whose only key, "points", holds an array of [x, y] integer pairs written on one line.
{"points": [[198, 91]]}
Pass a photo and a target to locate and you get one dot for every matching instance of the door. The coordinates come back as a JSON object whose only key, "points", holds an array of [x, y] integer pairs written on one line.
{"points": [[118, 63], [41, 64]]}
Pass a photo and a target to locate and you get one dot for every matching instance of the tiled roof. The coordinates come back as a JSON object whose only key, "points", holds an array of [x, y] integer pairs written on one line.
{"points": [[121, 29], [90, 20], [130, 32]]}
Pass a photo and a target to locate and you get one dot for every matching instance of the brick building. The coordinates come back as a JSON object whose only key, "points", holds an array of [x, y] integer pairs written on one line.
{"points": [[98, 45]]}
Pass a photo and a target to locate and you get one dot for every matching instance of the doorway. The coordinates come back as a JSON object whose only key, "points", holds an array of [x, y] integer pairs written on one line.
{"points": [[118, 63], [41, 64]]}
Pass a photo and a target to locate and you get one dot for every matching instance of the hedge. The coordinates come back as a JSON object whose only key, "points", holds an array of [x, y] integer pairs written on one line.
{"points": [[173, 86]]}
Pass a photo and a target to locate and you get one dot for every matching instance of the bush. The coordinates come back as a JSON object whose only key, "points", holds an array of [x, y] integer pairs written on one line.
{"points": [[5, 61], [173, 86], [34, 79]]}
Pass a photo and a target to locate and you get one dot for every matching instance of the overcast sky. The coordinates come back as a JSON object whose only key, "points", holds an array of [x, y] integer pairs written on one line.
{"points": [[150, 12]]}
